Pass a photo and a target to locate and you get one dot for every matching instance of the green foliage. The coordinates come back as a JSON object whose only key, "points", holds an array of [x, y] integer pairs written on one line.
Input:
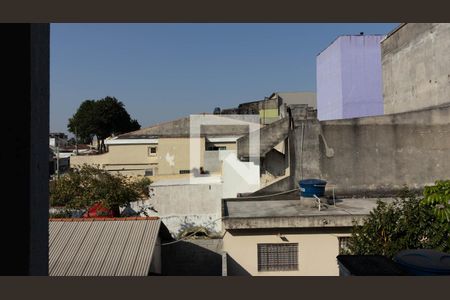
{"points": [[402, 224], [437, 197], [102, 118], [81, 188]]}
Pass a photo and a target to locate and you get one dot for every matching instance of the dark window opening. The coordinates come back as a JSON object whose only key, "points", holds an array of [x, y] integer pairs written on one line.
{"points": [[215, 148], [151, 151]]}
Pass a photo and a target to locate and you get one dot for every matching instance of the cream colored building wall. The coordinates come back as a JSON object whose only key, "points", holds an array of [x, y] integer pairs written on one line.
{"points": [[173, 155], [78, 160], [131, 154], [128, 159], [316, 252]]}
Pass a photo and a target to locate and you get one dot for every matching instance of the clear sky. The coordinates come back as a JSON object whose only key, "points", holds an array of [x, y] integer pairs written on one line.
{"points": [[166, 71]]}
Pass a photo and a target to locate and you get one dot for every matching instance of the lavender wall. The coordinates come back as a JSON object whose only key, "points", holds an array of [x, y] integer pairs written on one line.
{"points": [[329, 83], [349, 78]]}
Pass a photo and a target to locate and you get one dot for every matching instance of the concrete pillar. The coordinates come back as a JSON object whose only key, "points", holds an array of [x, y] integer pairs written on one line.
{"points": [[25, 127]]}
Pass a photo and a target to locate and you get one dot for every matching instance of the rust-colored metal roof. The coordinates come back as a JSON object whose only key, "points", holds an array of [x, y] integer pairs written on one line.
{"points": [[102, 246]]}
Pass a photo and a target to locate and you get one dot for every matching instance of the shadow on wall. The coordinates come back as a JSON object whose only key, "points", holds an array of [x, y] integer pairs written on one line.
{"points": [[234, 268], [192, 258]]}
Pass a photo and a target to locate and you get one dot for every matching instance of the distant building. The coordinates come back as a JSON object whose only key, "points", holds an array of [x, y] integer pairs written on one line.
{"points": [[162, 151], [349, 82], [416, 67], [58, 139], [274, 107]]}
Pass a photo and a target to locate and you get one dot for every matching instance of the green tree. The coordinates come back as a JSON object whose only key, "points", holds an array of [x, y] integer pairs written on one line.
{"points": [[437, 197], [102, 118], [403, 224], [82, 187]]}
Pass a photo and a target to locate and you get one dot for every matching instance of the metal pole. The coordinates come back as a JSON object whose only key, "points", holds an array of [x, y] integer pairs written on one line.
{"points": [[76, 142], [57, 161]]}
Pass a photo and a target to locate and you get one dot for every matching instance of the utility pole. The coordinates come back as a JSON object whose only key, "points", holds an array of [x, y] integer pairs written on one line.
{"points": [[57, 160], [76, 142]]}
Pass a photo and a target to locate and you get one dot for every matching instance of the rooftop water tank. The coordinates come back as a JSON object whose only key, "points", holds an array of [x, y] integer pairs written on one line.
{"points": [[424, 262], [311, 187]]}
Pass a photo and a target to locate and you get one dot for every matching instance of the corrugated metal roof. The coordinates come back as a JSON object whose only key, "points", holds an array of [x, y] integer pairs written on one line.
{"points": [[102, 247]]}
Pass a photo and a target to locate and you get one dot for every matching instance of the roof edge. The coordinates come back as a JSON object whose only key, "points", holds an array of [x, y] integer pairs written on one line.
{"points": [[102, 219]]}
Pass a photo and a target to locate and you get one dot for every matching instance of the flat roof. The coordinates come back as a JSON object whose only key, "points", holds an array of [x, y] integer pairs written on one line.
{"points": [[249, 213], [201, 179]]}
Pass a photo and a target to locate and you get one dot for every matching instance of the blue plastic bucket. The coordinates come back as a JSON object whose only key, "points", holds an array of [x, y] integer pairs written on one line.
{"points": [[311, 187]]}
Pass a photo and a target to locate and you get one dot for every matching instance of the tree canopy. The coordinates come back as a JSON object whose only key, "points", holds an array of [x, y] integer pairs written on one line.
{"points": [[102, 118], [407, 223], [85, 186]]}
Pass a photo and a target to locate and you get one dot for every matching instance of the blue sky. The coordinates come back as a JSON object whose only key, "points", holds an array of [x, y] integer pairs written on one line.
{"points": [[166, 71]]}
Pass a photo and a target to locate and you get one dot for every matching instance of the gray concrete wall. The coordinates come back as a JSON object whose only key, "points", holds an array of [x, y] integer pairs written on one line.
{"points": [[270, 136], [370, 156], [212, 163], [416, 67], [201, 257], [275, 163], [377, 154], [188, 205]]}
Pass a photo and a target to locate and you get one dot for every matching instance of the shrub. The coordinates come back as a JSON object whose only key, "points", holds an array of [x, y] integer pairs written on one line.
{"points": [[82, 187], [404, 224]]}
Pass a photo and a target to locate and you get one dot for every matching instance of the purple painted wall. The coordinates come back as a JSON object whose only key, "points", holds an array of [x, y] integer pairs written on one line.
{"points": [[349, 82]]}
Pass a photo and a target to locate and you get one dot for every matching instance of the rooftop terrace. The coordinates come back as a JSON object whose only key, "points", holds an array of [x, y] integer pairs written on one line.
{"points": [[293, 212]]}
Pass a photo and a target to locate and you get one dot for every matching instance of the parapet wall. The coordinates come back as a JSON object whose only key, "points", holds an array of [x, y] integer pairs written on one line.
{"points": [[376, 155], [371, 156]]}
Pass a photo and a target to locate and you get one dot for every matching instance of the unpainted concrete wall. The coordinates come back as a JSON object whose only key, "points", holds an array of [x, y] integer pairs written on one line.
{"points": [[377, 154], [416, 67], [212, 161], [193, 258], [275, 163], [371, 156], [187, 205]]}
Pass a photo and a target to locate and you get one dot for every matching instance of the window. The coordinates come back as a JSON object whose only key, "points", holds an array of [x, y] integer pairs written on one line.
{"points": [[185, 171], [215, 148], [151, 151], [149, 172], [278, 257], [343, 244]]}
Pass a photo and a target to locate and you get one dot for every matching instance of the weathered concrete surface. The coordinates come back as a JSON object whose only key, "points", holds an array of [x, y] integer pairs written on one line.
{"points": [[279, 185], [194, 257], [385, 153], [416, 67], [25, 62], [370, 156], [270, 136], [275, 163], [254, 213], [181, 128], [186, 205], [212, 163]]}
